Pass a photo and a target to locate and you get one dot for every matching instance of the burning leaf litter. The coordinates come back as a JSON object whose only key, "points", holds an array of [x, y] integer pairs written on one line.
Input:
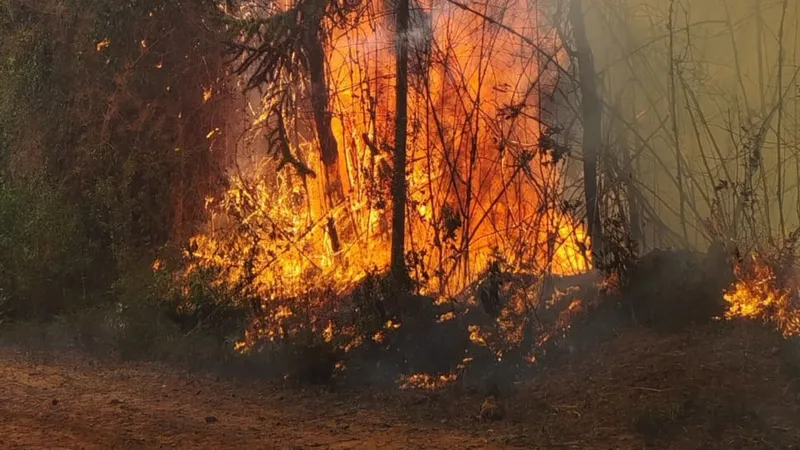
{"points": [[426, 381]]}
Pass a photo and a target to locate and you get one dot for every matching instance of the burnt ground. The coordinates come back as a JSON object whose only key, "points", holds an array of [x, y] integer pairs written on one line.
{"points": [[730, 386]]}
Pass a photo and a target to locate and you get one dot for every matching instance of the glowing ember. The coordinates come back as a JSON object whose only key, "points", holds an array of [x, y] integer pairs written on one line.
{"points": [[426, 381], [379, 337], [476, 336], [327, 334], [103, 44], [446, 316], [240, 346], [356, 342], [390, 325]]}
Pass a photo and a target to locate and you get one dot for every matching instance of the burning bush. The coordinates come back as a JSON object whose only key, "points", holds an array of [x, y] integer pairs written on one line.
{"points": [[766, 288]]}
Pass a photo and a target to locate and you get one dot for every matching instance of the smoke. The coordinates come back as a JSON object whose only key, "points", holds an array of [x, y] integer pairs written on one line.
{"points": [[731, 80]]}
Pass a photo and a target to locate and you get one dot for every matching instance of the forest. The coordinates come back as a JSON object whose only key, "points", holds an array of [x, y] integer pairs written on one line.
{"points": [[400, 223]]}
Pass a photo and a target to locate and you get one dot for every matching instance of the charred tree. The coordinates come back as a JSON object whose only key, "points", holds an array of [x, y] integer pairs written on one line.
{"points": [[398, 265], [591, 115], [312, 13], [281, 44]]}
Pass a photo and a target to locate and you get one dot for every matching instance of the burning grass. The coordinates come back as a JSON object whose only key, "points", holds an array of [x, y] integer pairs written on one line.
{"points": [[764, 292], [368, 333], [507, 322]]}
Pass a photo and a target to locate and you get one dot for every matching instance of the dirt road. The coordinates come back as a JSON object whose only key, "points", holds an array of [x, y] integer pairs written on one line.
{"points": [[721, 386], [73, 402]]}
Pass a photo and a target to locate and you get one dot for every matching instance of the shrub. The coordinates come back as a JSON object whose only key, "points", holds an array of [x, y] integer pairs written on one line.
{"points": [[104, 105], [44, 252]]}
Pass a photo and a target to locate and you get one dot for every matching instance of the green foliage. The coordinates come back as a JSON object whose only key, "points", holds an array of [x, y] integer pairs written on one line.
{"points": [[104, 117], [44, 252], [199, 304]]}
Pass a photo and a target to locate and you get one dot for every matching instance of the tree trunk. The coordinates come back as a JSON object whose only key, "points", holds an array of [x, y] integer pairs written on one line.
{"points": [[634, 210], [591, 115], [398, 265], [314, 11]]}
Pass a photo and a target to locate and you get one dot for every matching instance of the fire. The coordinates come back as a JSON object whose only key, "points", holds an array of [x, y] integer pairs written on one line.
{"points": [[103, 44], [468, 112], [379, 337], [480, 179], [570, 255], [327, 334], [426, 381], [758, 294], [450, 315], [207, 93], [476, 336], [566, 317], [755, 292]]}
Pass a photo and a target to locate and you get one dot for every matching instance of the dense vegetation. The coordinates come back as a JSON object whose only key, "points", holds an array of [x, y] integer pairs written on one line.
{"points": [[103, 151]]}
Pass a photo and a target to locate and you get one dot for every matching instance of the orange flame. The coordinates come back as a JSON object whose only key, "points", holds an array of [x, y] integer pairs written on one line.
{"points": [[479, 182], [758, 295], [425, 381]]}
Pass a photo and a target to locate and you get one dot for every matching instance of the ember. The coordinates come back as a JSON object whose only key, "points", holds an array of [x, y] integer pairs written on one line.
{"points": [[426, 381]]}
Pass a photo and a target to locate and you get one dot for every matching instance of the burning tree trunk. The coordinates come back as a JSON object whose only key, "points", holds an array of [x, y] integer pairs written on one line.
{"points": [[274, 48], [314, 12], [590, 111], [398, 265]]}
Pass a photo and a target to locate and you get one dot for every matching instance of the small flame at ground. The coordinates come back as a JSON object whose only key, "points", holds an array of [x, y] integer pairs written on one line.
{"points": [[103, 44], [758, 294], [426, 381]]}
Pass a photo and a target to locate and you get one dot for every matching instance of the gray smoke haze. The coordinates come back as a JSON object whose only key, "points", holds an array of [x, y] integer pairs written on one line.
{"points": [[735, 69]]}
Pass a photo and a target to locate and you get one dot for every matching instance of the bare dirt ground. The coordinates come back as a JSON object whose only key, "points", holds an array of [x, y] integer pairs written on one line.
{"points": [[720, 386], [73, 402]]}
